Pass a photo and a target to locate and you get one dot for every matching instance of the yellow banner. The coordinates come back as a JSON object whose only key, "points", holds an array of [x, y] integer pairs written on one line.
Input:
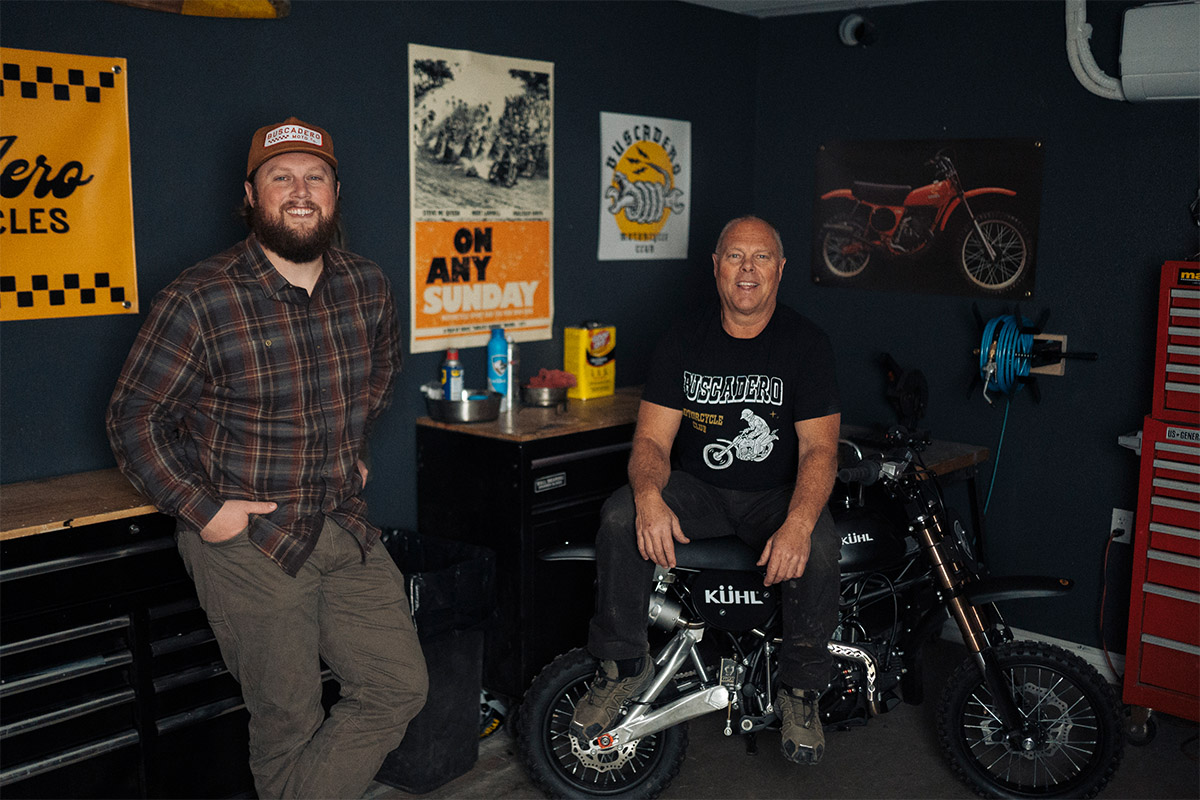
{"points": [[66, 199]]}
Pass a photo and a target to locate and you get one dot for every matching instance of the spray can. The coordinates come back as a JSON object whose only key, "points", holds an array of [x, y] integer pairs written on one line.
{"points": [[452, 376], [497, 364]]}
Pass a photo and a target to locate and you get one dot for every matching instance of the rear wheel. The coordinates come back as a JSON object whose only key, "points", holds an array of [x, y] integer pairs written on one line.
{"points": [[562, 766], [844, 254], [1072, 737]]}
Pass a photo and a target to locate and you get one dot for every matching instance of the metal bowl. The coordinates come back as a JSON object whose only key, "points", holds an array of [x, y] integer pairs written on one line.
{"points": [[544, 396], [481, 406]]}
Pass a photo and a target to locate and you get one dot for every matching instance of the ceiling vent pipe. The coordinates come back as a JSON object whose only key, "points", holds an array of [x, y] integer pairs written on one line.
{"points": [[1079, 53]]}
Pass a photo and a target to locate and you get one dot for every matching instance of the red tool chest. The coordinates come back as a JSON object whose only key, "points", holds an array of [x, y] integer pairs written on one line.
{"points": [[1162, 656]]}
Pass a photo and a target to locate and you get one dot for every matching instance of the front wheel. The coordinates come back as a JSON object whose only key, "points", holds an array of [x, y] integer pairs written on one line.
{"points": [[1000, 262], [1072, 741], [557, 762]]}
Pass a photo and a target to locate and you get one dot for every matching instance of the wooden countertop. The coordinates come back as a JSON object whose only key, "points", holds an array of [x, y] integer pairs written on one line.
{"points": [[621, 408], [68, 501], [529, 423]]}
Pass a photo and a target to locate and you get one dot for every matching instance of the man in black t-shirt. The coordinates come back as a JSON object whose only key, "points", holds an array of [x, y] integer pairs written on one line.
{"points": [[747, 398]]}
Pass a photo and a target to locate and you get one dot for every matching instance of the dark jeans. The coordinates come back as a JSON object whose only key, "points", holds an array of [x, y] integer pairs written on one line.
{"points": [[810, 602]]}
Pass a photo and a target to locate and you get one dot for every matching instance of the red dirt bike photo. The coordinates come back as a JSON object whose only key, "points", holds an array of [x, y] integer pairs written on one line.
{"points": [[977, 235]]}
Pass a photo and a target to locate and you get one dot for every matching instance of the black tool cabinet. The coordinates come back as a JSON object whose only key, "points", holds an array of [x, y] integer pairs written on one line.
{"points": [[111, 684], [518, 485]]}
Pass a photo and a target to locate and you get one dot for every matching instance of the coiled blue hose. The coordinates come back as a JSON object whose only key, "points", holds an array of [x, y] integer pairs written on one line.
{"points": [[1011, 356]]}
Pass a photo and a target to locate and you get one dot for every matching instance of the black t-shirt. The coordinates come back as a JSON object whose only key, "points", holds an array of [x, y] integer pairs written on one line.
{"points": [[741, 398]]}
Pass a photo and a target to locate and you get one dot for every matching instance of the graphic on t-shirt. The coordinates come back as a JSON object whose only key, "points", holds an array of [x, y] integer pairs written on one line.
{"points": [[752, 444]]}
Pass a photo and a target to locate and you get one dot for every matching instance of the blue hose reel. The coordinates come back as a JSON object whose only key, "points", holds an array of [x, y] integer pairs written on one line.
{"points": [[1010, 348], [1005, 354]]}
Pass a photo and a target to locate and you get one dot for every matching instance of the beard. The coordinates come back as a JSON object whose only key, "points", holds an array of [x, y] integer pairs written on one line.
{"points": [[295, 246]]}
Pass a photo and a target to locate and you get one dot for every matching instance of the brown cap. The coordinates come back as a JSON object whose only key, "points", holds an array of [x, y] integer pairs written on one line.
{"points": [[292, 136]]}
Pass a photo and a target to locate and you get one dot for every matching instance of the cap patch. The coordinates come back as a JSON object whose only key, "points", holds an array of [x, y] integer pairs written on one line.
{"points": [[292, 133]]}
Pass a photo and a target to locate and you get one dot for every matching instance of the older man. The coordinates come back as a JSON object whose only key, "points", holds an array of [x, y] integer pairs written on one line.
{"points": [[763, 376], [243, 410]]}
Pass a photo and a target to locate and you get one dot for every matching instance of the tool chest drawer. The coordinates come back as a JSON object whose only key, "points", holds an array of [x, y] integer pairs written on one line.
{"points": [[1177, 357]]}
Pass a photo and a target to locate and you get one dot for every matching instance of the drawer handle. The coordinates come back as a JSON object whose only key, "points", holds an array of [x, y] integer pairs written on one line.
{"points": [[1172, 592], [64, 672], [1173, 558], [70, 562], [67, 757], [187, 677], [579, 455], [1170, 644], [58, 637], [69, 712], [191, 717]]}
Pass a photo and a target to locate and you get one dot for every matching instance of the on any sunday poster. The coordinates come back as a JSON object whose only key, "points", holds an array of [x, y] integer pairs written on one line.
{"points": [[66, 226], [482, 170], [645, 183]]}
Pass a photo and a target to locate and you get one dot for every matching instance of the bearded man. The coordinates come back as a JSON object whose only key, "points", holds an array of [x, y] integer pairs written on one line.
{"points": [[243, 410]]}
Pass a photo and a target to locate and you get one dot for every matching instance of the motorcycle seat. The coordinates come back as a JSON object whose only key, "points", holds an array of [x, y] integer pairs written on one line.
{"points": [[725, 552], [881, 194]]}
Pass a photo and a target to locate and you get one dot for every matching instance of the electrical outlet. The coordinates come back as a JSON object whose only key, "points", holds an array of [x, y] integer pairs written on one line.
{"points": [[1121, 529]]}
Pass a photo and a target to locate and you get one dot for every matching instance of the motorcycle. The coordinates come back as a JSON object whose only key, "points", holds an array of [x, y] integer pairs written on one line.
{"points": [[992, 247], [1017, 718]]}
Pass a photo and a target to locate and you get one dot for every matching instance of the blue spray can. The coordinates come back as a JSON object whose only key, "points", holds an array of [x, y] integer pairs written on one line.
{"points": [[497, 362]]}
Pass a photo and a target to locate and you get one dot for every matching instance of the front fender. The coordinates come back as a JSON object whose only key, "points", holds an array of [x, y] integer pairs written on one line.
{"points": [[1016, 587], [953, 205]]}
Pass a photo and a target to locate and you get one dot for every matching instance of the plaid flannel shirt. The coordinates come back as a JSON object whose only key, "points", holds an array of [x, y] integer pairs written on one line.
{"points": [[242, 387]]}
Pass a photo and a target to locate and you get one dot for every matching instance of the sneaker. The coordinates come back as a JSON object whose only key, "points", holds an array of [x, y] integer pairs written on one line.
{"points": [[598, 708], [803, 740]]}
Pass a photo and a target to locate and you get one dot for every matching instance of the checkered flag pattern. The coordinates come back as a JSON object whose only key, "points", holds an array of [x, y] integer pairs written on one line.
{"points": [[15, 82], [100, 291]]}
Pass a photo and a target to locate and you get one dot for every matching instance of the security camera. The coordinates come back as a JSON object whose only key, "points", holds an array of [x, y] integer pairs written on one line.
{"points": [[855, 30]]}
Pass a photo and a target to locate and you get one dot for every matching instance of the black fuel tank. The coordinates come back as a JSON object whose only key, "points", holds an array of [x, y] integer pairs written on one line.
{"points": [[869, 540]]}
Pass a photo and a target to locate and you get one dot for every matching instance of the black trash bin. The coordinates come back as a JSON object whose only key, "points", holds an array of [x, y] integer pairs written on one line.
{"points": [[451, 587]]}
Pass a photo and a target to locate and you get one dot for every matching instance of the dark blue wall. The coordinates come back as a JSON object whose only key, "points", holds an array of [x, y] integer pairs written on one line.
{"points": [[761, 96], [1118, 178]]}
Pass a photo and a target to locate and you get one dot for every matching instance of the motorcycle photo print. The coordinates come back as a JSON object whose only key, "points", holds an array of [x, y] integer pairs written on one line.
{"points": [[931, 216]]}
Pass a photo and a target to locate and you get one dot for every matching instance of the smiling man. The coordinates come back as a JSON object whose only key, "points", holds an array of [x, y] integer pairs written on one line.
{"points": [[758, 378], [243, 410]]}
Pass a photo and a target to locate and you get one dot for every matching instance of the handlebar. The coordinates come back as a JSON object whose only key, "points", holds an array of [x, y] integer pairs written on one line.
{"points": [[865, 472]]}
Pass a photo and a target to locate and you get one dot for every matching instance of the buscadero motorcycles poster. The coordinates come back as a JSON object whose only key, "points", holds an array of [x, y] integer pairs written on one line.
{"points": [[645, 186], [481, 166], [955, 217]]}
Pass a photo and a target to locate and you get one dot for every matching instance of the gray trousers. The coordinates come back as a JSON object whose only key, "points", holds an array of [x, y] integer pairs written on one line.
{"points": [[810, 602], [274, 629]]}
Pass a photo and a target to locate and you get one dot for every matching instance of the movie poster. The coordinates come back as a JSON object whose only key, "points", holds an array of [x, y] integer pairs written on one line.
{"points": [[955, 217], [645, 187], [481, 162], [66, 224]]}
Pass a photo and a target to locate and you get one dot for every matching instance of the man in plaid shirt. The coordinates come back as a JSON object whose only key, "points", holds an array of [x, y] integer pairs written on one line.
{"points": [[243, 410]]}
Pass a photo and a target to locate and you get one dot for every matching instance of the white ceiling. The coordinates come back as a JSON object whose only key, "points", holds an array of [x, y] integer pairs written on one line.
{"points": [[781, 8]]}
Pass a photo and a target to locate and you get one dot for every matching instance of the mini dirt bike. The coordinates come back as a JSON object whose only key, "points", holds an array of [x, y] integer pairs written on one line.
{"points": [[1017, 718], [992, 247]]}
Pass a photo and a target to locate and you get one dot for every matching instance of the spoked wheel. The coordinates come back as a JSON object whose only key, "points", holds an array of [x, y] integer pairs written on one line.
{"points": [[1072, 741], [562, 766], [999, 263], [844, 254]]}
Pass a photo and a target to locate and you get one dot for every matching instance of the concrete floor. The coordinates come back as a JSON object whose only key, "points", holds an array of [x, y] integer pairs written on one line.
{"points": [[896, 755]]}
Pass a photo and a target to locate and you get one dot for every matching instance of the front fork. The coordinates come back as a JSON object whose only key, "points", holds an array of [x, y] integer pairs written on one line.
{"points": [[952, 573]]}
